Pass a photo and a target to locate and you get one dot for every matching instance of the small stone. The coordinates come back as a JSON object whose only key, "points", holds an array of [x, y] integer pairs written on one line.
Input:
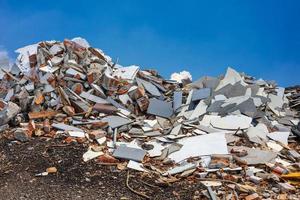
{"points": [[266, 195], [21, 135], [253, 196], [87, 179], [51, 170], [69, 110], [276, 190]]}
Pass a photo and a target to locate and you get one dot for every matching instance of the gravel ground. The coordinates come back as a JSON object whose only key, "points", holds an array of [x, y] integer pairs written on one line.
{"points": [[75, 179]]}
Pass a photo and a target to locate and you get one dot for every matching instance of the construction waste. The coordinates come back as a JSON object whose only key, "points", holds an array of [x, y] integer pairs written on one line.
{"points": [[237, 135]]}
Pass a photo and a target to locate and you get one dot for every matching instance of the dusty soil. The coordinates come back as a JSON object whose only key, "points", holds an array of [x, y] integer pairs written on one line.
{"points": [[75, 179]]}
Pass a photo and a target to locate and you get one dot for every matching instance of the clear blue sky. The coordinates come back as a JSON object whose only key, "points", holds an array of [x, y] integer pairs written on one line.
{"points": [[259, 37]]}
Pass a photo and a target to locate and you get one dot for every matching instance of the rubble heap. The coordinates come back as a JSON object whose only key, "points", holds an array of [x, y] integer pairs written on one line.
{"points": [[232, 133]]}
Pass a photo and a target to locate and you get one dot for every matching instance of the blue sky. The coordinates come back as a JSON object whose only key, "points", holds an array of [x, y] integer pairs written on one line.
{"points": [[259, 37]]}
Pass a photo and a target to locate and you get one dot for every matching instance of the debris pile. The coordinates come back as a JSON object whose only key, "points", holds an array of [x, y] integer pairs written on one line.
{"points": [[234, 134]]}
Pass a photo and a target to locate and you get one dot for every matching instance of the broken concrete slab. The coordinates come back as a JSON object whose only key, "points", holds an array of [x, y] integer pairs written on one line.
{"points": [[136, 166], [281, 137], [104, 108], [116, 121], [127, 73], [93, 98], [160, 108], [183, 167], [200, 145], [177, 101], [199, 110], [232, 122], [152, 89], [65, 127], [9, 111], [257, 156], [90, 154], [129, 153], [201, 94]]}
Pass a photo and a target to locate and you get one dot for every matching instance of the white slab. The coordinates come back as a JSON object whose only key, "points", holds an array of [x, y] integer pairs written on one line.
{"points": [[23, 58], [89, 155], [76, 133], [260, 130], [232, 122], [179, 169], [200, 145], [274, 146], [231, 77], [81, 41], [157, 148], [207, 119], [136, 166], [280, 136], [199, 110], [127, 73]]}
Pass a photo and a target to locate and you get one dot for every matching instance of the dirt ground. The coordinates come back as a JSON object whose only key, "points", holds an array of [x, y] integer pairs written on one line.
{"points": [[75, 179]]}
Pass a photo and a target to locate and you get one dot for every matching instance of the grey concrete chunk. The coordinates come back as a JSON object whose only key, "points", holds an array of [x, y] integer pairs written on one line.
{"points": [[65, 127], [93, 98], [116, 121], [179, 169], [20, 134], [152, 133], [257, 156], [201, 94], [177, 100], [129, 153], [9, 112], [215, 106], [160, 108], [149, 87]]}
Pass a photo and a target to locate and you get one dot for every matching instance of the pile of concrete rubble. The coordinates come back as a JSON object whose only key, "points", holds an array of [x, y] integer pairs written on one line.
{"points": [[237, 135]]}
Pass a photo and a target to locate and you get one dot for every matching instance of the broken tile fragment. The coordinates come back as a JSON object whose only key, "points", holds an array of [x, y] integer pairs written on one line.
{"points": [[129, 153], [160, 108]]}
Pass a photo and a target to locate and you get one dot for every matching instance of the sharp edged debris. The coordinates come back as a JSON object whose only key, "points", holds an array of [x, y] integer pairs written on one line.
{"points": [[237, 134]]}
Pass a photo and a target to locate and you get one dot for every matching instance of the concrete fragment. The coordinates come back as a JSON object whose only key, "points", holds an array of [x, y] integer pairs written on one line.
{"points": [[9, 111], [181, 168], [200, 145], [129, 153], [104, 108], [65, 127], [232, 122], [90, 154], [21, 135], [160, 108], [116, 121]]}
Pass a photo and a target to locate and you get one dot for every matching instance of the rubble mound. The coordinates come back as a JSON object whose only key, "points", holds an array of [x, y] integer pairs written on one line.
{"points": [[236, 135]]}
